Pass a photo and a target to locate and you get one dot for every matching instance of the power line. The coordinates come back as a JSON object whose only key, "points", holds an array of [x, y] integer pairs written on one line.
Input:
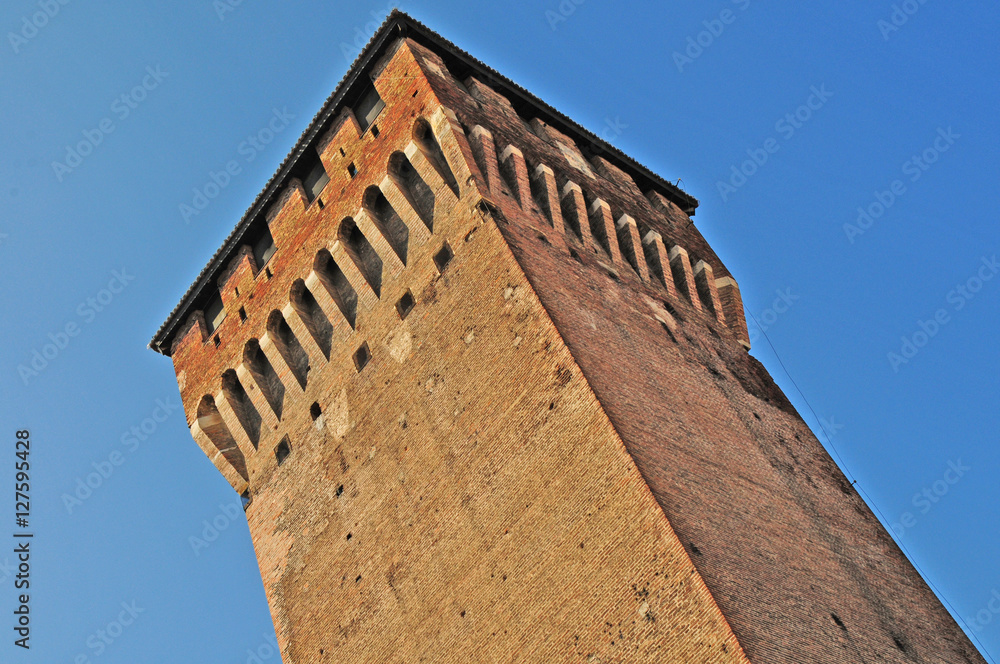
{"points": [[871, 503]]}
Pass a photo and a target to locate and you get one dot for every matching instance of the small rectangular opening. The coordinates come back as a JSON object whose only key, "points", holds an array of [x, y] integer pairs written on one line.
{"points": [[315, 180], [282, 451], [405, 305], [215, 313], [263, 245], [217, 340], [243, 315], [246, 499], [368, 108], [362, 357], [352, 170], [315, 411], [443, 257], [268, 272], [374, 131]]}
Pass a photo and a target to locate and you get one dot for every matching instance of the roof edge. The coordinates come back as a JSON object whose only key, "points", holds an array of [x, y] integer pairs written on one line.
{"points": [[399, 24]]}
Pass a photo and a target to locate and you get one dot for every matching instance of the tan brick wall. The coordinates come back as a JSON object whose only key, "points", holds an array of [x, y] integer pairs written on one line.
{"points": [[464, 497]]}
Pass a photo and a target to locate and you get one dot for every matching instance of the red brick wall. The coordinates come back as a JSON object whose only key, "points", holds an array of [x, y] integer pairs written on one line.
{"points": [[798, 564]]}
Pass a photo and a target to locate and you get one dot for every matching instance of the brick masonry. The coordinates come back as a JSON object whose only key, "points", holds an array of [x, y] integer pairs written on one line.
{"points": [[563, 452]]}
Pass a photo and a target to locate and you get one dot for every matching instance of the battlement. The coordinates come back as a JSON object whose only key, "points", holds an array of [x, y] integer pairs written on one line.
{"points": [[336, 246], [336, 274], [352, 104], [473, 365], [574, 220]]}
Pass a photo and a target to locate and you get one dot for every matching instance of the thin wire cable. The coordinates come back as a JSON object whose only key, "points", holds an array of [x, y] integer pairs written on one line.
{"points": [[871, 503]]}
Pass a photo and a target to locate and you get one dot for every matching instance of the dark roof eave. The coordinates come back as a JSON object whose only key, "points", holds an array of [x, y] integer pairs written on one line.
{"points": [[399, 24]]}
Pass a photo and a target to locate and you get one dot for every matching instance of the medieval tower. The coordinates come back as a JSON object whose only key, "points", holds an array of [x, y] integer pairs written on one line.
{"points": [[486, 393]]}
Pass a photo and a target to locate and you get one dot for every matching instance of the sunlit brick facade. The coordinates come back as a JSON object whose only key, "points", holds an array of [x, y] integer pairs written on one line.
{"points": [[486, 390]]}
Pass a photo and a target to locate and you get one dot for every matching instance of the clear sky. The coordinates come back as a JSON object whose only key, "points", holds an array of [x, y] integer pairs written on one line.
{"points": [[829, 107]]}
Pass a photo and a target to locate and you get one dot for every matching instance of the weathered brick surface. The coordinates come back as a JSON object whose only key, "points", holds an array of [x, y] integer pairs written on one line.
{"points": [[463, 497], [798, 563], [504, 479]]}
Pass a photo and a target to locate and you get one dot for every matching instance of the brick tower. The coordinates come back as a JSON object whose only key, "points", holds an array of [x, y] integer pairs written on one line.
{"points": [[485, 390]]}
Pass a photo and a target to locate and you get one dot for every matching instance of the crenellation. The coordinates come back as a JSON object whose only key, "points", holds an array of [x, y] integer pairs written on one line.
{"points": [[192, 331], [487, 96], [386, 219], [514, 170], [429, 144], [602, 228], [631, 246], [332, 146], [574, 209], [294, 358], [337, 285], [254, 390], [406, 182], [452, 143], [732, 305], [428, 403], [544, 179], [339, 325], [485, 155], [616, 175], [623, 244], [659, 262], [680, 265], [289, 204], [707, 290]]}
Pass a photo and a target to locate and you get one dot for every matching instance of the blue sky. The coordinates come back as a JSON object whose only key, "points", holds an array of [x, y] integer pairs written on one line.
{"points": [[829, 107]]}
